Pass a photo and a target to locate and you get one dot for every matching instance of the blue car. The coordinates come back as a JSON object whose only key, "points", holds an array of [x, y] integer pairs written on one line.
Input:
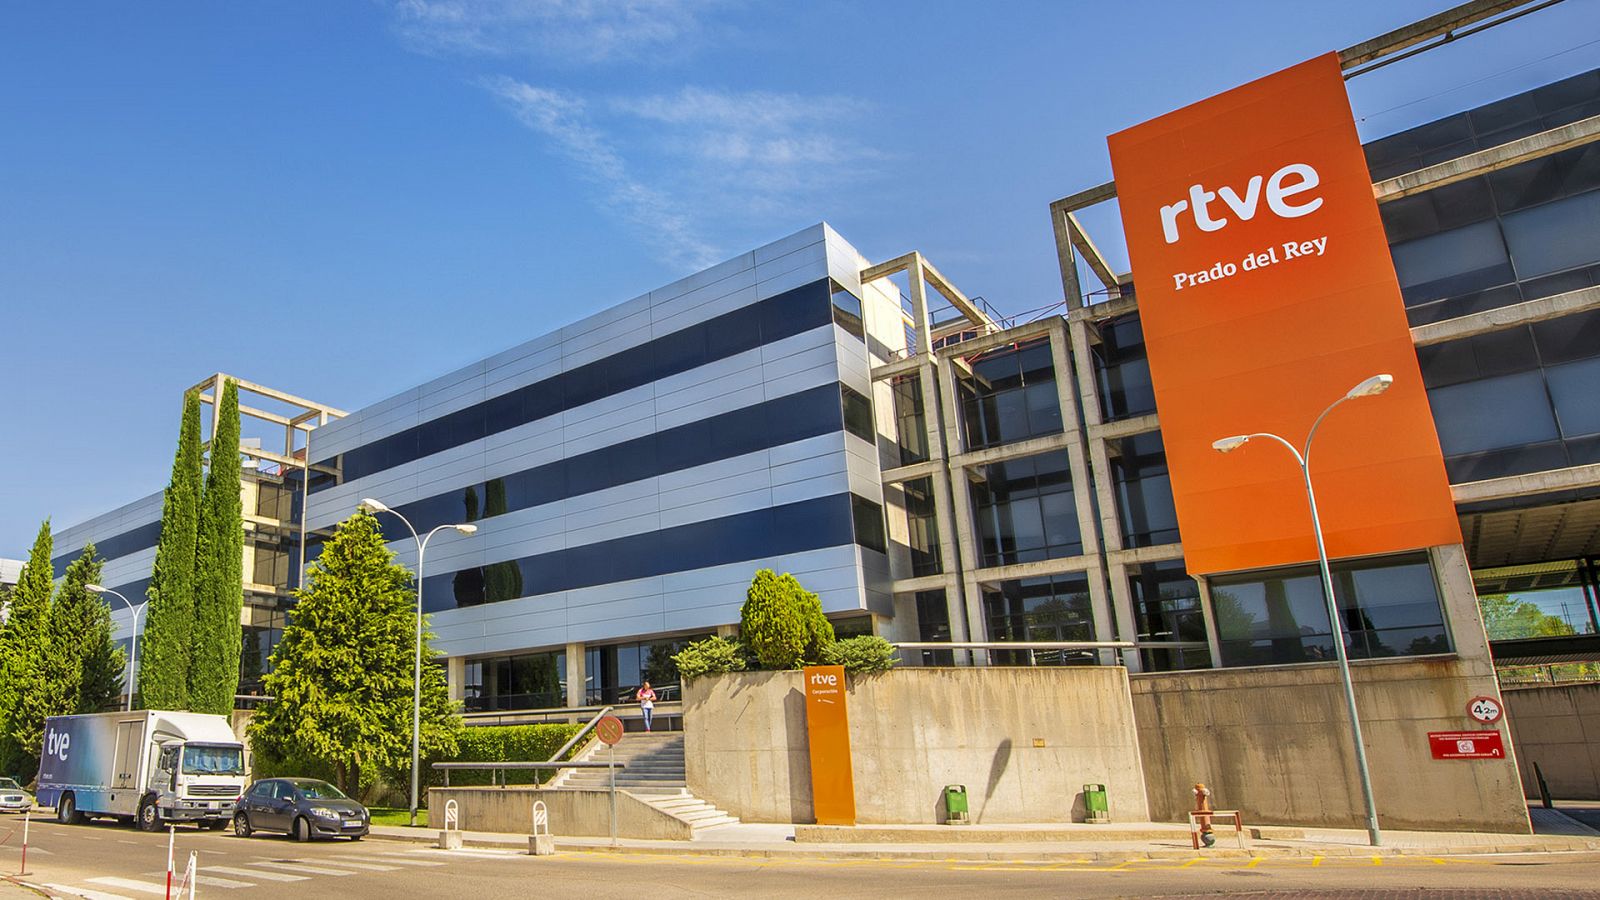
{"points": [[304, 808]]}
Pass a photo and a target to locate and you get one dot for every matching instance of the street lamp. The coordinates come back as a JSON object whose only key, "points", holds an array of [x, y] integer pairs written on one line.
{"points": [[370, 505], [1370, 387], [133, 655]]}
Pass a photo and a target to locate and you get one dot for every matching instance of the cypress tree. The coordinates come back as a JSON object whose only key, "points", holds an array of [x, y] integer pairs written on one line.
{"points": [[80, 643], [169, 621], [342, 674], [219, 570], [25, 692]]}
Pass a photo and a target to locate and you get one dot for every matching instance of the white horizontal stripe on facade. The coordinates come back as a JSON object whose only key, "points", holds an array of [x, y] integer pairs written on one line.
{"points": [[739, 282], [124, 518], [698, 599], [810, 354]]}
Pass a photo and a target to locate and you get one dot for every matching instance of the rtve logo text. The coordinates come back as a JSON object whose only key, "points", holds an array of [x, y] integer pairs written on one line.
{"points": [[1281, 190]]}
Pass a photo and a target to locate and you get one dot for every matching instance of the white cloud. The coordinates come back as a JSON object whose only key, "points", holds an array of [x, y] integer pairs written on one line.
{"points": [[583, 31], [564, 120]]}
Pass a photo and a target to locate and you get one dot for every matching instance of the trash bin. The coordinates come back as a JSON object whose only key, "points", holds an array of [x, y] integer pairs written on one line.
{"points": [[1095, 810], [955, 804]]}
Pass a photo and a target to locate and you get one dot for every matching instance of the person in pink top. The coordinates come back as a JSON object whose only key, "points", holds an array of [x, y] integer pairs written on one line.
{"points": [[647, 702]]}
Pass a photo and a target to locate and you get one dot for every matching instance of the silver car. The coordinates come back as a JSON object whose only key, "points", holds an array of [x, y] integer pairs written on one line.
{"points": [[12, 797]]}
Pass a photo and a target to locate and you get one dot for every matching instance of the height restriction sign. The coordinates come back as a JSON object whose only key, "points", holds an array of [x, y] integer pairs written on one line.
{"points": [[1484, 709]]}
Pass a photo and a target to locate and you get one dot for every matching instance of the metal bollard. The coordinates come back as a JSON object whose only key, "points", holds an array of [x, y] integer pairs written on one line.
{"points": [[540, 843], [450, 835]]}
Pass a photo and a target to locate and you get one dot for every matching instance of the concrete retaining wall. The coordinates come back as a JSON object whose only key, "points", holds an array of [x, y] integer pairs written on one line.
{"points": [[1275, 743], [1558, 727], [572, 813], [1023, 741]]}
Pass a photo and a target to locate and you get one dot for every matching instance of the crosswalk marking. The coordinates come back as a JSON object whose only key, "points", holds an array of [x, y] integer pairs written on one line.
{"points": [[397, 859], [353, 861], [85, 893], [254, 873], [297, 867], [128, 884], [483, 853], [213, 881]]}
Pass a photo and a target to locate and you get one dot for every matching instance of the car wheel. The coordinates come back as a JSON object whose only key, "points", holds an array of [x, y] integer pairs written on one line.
{"points": [[149, 816], [356, 837], [302, 829], [241, 825]]}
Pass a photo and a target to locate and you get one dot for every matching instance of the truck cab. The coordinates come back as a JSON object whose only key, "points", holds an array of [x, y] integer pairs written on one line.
{"points": [[193, 781]]}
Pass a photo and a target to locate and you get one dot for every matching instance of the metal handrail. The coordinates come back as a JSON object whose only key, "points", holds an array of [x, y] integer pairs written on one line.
{"points": [[500, 767], [582, 733]]}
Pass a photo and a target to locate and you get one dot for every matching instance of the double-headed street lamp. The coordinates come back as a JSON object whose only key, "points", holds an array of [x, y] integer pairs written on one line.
{"points": [[373, 506], [1371, 387], [133, 655]]}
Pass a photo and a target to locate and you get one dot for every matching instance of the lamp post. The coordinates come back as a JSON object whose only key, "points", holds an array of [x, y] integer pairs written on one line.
{"points": [[373, 506], [1371, 387], [133, 655]]}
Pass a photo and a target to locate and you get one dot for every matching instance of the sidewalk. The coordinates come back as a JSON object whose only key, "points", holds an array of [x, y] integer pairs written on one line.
{"points": [[1022, 843]]}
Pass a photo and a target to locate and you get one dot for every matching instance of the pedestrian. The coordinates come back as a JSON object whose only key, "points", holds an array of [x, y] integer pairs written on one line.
{"points": [[647, 702]]}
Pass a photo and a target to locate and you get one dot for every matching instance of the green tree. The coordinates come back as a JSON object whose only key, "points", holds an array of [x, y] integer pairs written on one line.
{"points": [[163, 681], [25, 693], [782, 622], [219, 570], [342, 673], [1505, 618], [87, 661]]}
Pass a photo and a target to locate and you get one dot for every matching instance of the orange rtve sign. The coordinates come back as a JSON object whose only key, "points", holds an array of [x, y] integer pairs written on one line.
{"points": [[833, 785], [1266, 291]]}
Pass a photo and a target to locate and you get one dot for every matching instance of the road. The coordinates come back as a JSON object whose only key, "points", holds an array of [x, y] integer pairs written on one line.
{"points": [[103, 861]]}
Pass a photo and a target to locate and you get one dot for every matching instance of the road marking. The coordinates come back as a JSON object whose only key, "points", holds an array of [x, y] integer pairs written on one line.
{"points": [[1255, 862], [128, 884], [353, 861], [397, 859], [85, 893], [252, 873], [297, 867], [222, 882], [482, 854]]}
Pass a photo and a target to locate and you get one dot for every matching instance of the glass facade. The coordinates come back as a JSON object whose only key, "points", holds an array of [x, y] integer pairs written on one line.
{"points": [[1144, 491], [922, 521], [1025, 510], [613, 673], [1055, 608], [1167, 607], [867, 520], [1519, 400], [1122, 370], [858, 415], [1011, 396], [911, 428], [933, 624], [1390, 607]]}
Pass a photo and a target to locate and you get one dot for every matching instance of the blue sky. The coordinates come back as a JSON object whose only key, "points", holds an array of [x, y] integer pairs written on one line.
{"points": [[345, 199]]}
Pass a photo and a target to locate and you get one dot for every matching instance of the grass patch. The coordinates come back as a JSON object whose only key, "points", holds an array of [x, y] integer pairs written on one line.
{"points": [[389, 815]]}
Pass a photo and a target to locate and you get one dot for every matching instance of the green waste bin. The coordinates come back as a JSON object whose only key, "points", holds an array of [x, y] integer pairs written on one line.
{"points": [[955, 804], [1095, 809]]}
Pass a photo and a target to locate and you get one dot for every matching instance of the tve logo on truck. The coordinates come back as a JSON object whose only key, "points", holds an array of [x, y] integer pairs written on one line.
{"points": [[149, 767]]}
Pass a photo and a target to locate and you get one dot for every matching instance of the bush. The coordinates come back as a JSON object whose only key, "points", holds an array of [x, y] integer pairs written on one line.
{"points": [[712, 656], [862, 655], [509, 743], [782, 623]]}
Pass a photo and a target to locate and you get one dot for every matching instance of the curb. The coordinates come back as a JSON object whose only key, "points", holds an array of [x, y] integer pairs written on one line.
{"points": [[979, 854]]}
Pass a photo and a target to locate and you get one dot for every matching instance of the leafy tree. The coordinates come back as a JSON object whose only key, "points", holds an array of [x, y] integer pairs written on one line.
{"points": [[88, 662], [25, 693], [342, 673], [219, 576], [169, 621], [1504, 618], [782, 622], [862, 654], [712, 656]]}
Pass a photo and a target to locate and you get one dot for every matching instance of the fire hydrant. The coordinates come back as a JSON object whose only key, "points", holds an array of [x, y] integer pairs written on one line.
{"points": [[1202, 804]]}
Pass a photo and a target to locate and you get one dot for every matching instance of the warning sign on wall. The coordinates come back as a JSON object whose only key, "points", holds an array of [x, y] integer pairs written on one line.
{"points": [[1466, 745]]}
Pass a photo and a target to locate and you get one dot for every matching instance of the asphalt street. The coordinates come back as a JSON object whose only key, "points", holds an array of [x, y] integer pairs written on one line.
{"points": [[102, 861]]}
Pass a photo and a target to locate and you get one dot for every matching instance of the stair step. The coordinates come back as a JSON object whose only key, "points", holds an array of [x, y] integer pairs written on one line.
{"points": [[718, 822]]}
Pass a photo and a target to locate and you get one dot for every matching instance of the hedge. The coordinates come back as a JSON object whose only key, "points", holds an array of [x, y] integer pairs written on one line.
{"points": [[509, 743]]}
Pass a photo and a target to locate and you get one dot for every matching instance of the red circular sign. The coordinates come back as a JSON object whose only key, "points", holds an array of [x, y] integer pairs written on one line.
{"points": [[608, 729], [1484, 709]]}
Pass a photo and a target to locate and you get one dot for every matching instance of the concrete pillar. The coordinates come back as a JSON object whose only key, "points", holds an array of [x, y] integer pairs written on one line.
{"points": [[1213, 640], [966, 541], [1453, 574], [456, 676], [576, 663], [728, 631]]}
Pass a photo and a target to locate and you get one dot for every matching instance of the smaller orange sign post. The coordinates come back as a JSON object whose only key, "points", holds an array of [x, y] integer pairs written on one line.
{"points": [[833, 784]]}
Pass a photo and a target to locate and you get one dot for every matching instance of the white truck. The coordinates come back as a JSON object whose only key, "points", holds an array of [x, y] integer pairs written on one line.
{"points": [[147, 766]]}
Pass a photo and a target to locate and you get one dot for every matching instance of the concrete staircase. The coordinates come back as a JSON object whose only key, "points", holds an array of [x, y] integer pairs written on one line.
{"points": [[653, 773]]}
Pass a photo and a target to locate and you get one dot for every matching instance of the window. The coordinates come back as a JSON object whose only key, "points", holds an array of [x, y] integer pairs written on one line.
{"points": [[922, 523], [1123, 369], [933, 624], [847, 312], [911, 431], [858, 415], [1056, 608], [868, 518], [1011, 396], [1166, 607], [1555, 236], [1452, 262], [1144, 493], [528, 681], [1025, 510], [1389, 607]]}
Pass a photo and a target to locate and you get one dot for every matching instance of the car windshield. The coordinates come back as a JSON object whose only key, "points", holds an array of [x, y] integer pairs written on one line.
{"points": [[319, 790], [7, 784], [199, 759]]}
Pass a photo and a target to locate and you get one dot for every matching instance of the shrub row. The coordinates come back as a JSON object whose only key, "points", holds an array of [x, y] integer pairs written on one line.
{"points": [[509, 743]]}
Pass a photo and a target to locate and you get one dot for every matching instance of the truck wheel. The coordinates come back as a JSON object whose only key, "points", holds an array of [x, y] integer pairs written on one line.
{"points": [[67, 810], [149, 816], [302, 830]]}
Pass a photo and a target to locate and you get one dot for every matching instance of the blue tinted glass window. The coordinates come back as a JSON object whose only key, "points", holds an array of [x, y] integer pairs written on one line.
{"points": [[1493, 413]]}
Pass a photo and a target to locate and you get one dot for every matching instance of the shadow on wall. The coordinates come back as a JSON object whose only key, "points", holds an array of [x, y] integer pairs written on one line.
{"points": [[794, 711], [997, 770]]}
